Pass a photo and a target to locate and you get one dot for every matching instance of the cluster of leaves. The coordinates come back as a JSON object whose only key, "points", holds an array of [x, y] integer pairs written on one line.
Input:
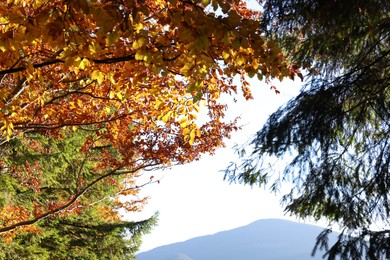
{"points": [[92, 92], [335, 134]]}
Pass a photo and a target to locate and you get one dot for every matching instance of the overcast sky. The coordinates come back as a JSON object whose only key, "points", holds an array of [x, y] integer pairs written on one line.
{"points": [[194, 200]]}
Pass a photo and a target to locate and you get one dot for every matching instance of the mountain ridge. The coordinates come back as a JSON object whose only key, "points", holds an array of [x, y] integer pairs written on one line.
{"points": [[262, 239]]}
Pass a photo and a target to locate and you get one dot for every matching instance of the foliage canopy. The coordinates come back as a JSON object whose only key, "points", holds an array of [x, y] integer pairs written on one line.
{"points": [[92, 92]]}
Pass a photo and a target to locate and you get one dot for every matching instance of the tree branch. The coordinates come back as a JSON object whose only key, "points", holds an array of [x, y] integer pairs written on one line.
{"points": [[36, 66], [77, 196], [54, 61]]}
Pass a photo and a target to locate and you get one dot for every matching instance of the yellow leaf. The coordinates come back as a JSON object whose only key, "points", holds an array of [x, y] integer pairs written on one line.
{"points": [[192, 136], [112, 38], [203, 69], [158, 104], [10, 127], [198, 133], [139, 55], [196, 107], [111, 77], [84, 63], [97, 75], [184, 122], [112, 94], [119, 95], [165, 118], [170, 114], [192, 116], [138, 27], [3, 45], [92, 48], [185, 69], [255, 64], [4, 20], [205, 2], [139, 43], [240, 60], [225, 55], [80, 103], [186, 131]]}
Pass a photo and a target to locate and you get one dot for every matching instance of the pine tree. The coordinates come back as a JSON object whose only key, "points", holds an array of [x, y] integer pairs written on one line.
{"points": [[335, 135]]}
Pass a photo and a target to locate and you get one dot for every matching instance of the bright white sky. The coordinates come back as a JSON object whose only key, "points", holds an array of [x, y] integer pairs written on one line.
{"points": [[194, 200]]}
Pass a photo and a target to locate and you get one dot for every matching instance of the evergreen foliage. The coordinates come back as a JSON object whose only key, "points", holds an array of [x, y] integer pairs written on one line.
{"points": [[83, 237], [39, 174], [335, 135]]}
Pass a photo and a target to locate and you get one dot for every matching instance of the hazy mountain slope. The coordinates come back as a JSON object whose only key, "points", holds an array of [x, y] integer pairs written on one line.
{"points": [[268, 239]]}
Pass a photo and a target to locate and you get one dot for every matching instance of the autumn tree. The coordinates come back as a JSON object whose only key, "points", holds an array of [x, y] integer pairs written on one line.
{"points": [[129, 76], [334, 136]]}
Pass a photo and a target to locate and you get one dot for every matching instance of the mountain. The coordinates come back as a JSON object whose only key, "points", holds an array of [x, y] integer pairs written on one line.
{"points": [[268, 239]]}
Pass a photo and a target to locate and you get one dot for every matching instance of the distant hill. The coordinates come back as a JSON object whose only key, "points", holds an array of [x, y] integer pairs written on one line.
{"points": [[269, 239]]}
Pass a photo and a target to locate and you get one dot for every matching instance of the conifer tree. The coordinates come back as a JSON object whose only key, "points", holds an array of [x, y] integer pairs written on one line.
{"points": [[335, 135]]}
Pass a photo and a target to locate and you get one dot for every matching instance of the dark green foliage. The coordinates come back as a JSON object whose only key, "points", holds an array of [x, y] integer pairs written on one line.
{"points": [[335, 135], [36, 168], [82, 237], [39, 174], [329, 34]]}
